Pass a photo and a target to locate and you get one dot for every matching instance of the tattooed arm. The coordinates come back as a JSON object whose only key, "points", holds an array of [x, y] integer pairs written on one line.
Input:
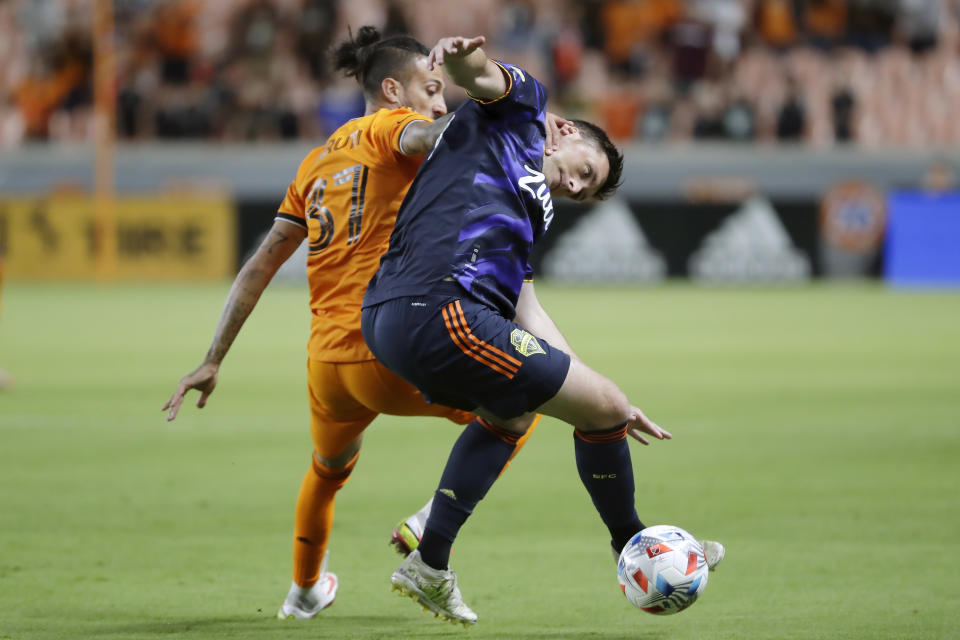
{"points": [[280, 243]]}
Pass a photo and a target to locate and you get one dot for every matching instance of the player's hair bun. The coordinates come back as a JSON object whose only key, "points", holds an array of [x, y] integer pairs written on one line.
{"points": [[351, 56], [367, 35], [369, 58]]}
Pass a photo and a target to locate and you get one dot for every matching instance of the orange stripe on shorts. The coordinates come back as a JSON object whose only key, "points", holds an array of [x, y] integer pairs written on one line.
{"points": [[480, 357], [478, 345], [507, 359]]}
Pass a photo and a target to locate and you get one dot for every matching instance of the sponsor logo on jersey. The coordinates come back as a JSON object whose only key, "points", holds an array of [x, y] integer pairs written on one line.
{"points": [[542, 193], [525, 344]]}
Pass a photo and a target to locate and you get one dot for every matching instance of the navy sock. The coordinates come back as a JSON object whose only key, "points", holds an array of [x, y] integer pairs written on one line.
{"points": [[476, 460], [603, 460]]}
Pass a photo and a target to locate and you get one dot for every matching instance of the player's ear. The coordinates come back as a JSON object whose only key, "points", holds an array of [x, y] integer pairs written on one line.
{"points": [[392, 90]]}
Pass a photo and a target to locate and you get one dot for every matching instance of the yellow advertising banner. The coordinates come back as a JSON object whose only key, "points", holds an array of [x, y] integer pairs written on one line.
{"points": [[162, 237]]}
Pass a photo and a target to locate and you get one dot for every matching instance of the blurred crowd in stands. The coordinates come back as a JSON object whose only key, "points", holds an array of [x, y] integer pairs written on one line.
{"points": [[874, 73]]}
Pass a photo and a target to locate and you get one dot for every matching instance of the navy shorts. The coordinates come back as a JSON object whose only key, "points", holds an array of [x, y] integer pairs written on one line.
{"points": [[463, 354]]}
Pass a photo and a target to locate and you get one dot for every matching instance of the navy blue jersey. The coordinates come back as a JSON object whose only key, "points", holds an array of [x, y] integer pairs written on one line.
{"points": [[477, 205]]}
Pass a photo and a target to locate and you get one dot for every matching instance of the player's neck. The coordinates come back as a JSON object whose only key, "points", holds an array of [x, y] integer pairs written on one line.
{"points": [[373, 107]]}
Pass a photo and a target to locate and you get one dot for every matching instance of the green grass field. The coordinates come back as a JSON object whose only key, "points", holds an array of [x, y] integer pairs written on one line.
{"points": [[817, 434]]}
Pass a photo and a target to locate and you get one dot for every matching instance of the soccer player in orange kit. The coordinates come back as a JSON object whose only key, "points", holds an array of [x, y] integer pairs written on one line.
{"points": [[344, 201]]}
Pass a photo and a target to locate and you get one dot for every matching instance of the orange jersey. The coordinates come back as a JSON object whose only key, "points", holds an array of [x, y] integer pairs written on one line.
{"points": [[346, 194]]}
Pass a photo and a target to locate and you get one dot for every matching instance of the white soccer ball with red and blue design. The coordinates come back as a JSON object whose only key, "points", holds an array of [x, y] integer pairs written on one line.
{"points": [[662, 570]]}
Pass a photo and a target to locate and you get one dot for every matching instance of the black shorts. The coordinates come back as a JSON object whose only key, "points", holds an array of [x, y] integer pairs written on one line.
{"points": [[463, 354]]}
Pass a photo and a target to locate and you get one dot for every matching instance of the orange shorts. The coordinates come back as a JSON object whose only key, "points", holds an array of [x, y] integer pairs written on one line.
{"points": [[345, 397]]}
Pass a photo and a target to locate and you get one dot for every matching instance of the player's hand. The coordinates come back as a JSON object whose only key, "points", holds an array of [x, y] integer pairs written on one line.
{"points": [[556, 128], [203, 379], [639, 424], [457, 46]]}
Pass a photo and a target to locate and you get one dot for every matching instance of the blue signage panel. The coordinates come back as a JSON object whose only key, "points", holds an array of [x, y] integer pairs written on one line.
{"points": [[923, 239]]}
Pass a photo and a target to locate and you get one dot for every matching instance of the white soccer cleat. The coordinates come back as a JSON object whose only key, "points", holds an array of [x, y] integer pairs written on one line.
{"points": [[435, 589], [713, 552], [305, 603], [407, 534]]}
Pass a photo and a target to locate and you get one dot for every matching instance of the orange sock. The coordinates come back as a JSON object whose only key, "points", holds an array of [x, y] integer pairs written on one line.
{"points": [[314, 519]]}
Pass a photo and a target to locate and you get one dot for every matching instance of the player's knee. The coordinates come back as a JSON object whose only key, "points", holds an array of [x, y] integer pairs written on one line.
{"points": [[342, 460], [611, 408], [518, 425], [524, 422]]}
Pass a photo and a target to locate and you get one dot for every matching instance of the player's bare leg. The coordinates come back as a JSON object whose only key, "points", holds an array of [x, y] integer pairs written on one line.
{"points": [[591, 402]]}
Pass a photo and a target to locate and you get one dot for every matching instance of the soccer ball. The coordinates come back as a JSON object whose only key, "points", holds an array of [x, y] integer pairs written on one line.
{"points": [[662, 570]]}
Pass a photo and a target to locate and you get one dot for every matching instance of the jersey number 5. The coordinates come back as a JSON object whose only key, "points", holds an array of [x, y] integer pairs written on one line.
{"points": [[321, 234]]}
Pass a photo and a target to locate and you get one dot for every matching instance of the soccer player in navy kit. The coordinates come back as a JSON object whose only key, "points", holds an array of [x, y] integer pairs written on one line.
{"points": [[446, 306]]}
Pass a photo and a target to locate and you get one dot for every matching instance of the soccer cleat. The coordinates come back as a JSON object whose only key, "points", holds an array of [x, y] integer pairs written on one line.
{"points": [[435, 589], [713, 552], [406, 535], [302, 604]]}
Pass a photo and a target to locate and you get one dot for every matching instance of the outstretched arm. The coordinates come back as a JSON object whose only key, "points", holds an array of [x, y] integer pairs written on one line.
{"points": [[535, 319], [419, 136], [469, 67], [280, 243]]}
